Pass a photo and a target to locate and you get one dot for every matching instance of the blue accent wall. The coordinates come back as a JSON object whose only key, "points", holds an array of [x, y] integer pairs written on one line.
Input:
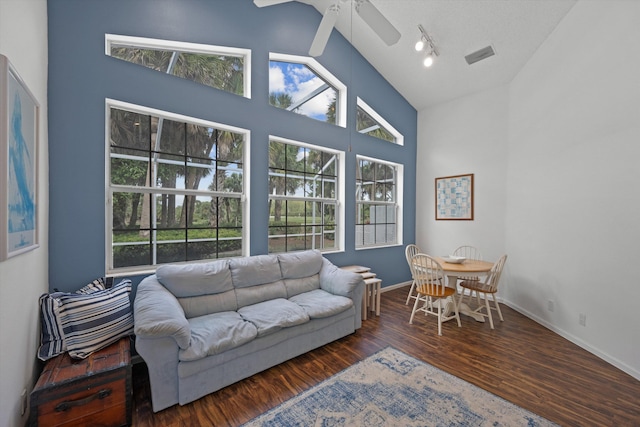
{"points": [[81, 77]]}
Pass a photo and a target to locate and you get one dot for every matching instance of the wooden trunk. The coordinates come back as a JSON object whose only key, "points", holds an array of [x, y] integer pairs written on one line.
{"points": [[95, 391]]}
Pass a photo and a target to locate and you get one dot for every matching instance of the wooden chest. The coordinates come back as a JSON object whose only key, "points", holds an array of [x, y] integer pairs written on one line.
{"points": [[95, 391]]}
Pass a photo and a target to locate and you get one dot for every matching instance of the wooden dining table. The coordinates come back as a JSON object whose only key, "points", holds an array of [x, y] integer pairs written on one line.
{"points": [[467, 268]]}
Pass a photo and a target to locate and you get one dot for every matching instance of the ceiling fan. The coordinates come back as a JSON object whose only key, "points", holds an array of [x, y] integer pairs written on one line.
{"points": [[367, 11]]}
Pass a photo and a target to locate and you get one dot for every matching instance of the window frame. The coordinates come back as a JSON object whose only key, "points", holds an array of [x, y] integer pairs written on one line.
{"points": [[322, 72], [381, 121], [339, 197], [187, 47], [111, 188], [399, 197]]}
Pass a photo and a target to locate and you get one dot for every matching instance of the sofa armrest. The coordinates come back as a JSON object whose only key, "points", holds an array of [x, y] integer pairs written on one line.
{"points": [[157, 313], [340, 282]]}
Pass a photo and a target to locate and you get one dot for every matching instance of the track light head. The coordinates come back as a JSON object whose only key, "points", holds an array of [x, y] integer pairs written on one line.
{"points": [[426, 41], [428, 61]]}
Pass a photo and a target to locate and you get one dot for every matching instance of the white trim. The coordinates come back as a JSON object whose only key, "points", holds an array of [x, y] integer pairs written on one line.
{"points": [[178, 46], [378, 118], [109, 188], [399, 202], [341, 88], [340, 187]]}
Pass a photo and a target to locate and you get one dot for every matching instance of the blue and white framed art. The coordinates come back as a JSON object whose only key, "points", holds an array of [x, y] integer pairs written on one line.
{"points": [[454, 197], [19, 122]]}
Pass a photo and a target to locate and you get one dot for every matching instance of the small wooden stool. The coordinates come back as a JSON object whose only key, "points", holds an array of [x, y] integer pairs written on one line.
{"points": [[372, 286]]}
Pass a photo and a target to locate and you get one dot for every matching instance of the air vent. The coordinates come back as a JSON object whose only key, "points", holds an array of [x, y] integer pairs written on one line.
{"points": [[479, 55]]}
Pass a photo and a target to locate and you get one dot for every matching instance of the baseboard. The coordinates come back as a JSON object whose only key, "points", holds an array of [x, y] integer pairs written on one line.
{"points": [[577, 341], [396, 286]]}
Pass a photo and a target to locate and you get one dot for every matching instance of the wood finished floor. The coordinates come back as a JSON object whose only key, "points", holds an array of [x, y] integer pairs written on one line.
{"points": [[520, 361]]}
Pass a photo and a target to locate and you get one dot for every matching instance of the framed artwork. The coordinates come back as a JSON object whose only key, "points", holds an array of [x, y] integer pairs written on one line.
{"points": [[454, 197], [19, 122]]}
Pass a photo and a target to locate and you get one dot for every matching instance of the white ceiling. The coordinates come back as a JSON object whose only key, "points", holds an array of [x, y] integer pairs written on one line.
{"points": [[514, 28]]}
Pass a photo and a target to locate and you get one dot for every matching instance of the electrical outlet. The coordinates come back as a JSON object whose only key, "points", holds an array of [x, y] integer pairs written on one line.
{"points": [[582, 319], [23, 402], [550, 305]]}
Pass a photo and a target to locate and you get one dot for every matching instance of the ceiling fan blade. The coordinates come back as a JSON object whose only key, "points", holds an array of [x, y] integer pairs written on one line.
{"points": [[324, 30], [378, 23], [263, 3]]}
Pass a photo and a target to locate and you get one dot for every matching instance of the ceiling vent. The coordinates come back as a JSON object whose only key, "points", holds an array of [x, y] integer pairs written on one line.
{"points": [[479, 55]]}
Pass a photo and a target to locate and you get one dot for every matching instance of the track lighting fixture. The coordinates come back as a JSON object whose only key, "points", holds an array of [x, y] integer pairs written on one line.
{"points": [[426, 42]]}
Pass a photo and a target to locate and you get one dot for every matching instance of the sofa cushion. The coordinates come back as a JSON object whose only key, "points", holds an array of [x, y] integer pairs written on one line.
{"points": [[295, 265], [303, 284], [190, 280], [254, 270], [259, 293], [318, 303], [216, 333], [273, 315]]}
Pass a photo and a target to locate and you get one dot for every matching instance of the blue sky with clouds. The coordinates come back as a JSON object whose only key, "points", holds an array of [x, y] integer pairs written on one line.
{"points": [[298, 81]]}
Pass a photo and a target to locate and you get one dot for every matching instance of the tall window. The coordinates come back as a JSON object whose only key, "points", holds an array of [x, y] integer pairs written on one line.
{"points": [[304, 194], [378, 208], [301, 85], [373, 124], [175, 188], [221, 67]]}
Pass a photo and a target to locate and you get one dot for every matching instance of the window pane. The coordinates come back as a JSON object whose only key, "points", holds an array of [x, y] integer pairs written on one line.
{"points": [[172, 136], [153, 227], [128, 167], [298, 88], [223, 72], [295, 222], [170, 171], [129, 129], [369, 126], [376, 224]]}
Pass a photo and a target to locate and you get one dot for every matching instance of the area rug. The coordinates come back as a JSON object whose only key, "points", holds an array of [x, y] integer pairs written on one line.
{"points": [[391, 388]]}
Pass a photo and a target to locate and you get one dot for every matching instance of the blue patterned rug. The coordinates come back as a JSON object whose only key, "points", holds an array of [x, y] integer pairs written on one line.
{"points": [[391, 388]]}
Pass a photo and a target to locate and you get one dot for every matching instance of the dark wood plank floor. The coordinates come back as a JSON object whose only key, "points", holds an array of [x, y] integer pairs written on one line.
{"points": [[519, 361]]}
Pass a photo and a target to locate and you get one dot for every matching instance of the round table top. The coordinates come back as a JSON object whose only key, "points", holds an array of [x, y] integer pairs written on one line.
{"points": [[467, 266]]}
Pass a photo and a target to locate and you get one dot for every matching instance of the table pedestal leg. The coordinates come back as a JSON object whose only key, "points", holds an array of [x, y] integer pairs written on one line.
{"points": [[462, 308]]}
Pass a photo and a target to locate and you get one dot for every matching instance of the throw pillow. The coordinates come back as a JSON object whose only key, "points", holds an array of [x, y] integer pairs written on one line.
{"points": [[51, 338], [91, 322]]}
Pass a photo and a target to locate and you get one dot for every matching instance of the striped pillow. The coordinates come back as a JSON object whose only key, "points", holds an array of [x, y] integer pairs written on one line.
{"points": [[51, 338], [91, 322]]}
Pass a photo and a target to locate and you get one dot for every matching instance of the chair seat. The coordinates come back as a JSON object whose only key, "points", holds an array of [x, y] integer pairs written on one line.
{"points": [[447, 292], [476, 285]]}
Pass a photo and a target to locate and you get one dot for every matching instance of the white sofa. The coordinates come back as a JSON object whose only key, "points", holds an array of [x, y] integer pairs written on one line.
{"points": [[202, 326]]}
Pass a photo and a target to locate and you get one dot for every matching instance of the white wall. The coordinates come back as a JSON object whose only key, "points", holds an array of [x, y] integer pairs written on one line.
{"points": [[569, 214], [573, 199], [23, 39], [467, 135]]}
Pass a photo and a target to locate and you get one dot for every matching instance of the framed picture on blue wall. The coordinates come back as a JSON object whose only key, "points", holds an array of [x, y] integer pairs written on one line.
{"points": [[19, 123], [454, 197]]}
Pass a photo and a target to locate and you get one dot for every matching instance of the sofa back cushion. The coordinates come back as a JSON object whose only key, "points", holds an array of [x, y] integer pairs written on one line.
{"points": [[259, 293], [254, 270], [296, 265], [208, 304], [194, 279], [302, 285]]}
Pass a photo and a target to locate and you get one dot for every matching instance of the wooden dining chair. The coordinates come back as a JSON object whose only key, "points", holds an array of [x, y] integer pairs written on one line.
{"points": [[431, 290], [469, 252], [484, 289], [409, 252]]}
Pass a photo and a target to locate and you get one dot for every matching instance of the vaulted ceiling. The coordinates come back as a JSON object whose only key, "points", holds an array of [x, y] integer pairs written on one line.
{"points": [[514, 28]]}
